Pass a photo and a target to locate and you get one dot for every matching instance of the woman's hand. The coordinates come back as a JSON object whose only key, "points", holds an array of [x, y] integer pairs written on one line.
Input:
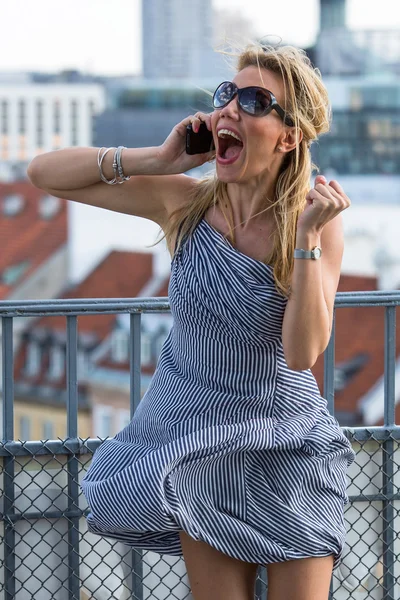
{"points": [[172, 153], [324, 201]]}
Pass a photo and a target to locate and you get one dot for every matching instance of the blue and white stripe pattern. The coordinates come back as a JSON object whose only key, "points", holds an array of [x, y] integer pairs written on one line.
{"points": [[227, 444]]}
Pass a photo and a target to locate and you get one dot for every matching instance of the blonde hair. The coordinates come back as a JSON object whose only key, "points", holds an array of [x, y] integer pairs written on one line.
{"points": [[306, 102]]}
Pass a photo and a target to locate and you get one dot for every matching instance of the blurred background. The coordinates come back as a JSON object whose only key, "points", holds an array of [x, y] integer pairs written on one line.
{"points": [[92, 73]]}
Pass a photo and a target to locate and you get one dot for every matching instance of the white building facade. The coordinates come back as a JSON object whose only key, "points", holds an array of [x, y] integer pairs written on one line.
{"points": [[36, 118]]}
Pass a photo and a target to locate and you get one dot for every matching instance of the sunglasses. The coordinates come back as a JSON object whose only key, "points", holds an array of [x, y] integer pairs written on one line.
{"points": [[255, 101]]}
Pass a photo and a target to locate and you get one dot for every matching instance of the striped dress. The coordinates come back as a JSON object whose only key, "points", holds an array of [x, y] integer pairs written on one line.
{"points": [[227, 444]]}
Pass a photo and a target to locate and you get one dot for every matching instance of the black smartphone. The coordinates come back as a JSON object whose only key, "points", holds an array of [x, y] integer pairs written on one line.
{"points": [[200, 142]]}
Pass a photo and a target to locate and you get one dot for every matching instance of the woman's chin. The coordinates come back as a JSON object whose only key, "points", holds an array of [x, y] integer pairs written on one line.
{"points": [[229, 172]]}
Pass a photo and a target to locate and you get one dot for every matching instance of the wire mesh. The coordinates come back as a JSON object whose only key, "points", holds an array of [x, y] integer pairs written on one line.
{"points": [[41, 514]]}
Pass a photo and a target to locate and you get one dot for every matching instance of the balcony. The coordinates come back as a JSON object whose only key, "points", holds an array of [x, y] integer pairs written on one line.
{"points": [[46, 551]]}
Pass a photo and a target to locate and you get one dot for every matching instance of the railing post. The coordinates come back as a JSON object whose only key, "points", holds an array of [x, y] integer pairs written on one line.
{"points": [[72, 461], [135, 556], [329, 369], [329, 387], [8, 461], [388, 512]]}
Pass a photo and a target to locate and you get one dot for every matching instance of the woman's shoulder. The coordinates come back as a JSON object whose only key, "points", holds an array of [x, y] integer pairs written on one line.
{"points": [[179, 194]]}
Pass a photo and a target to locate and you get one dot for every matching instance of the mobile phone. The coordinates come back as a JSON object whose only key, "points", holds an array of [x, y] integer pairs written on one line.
{"points": [[200, 142]]}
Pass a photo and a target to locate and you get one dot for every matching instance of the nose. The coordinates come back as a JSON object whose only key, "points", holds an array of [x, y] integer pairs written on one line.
{"points": [[231, 110]]}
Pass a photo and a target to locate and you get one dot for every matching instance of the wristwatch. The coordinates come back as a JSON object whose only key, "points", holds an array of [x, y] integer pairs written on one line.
{"points": [[315, 253]]}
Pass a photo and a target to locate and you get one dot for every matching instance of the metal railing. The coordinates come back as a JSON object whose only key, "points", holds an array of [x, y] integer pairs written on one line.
{"points": [[45, 543]]}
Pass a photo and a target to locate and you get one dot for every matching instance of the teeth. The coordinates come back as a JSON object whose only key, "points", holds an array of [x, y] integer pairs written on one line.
{"points": [[223, 132]]}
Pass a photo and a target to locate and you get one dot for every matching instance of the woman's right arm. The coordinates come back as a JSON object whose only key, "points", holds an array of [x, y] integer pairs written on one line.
{"points": [[156, 188]]}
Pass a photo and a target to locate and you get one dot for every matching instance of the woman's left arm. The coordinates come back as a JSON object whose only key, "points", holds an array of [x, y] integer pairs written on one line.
{"points": [[307, 322]]}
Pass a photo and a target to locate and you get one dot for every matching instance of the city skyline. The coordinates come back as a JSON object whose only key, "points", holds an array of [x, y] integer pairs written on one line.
{"points": [[96, 44]]}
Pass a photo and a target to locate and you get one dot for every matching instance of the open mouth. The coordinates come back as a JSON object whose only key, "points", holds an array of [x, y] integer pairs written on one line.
{"points": [[229, 148]]}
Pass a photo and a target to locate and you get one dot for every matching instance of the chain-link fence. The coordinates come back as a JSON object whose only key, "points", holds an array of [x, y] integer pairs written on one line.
{"points": [[47, 552]]}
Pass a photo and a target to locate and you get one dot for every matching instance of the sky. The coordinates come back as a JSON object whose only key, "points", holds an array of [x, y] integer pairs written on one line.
{"points": [[103, 36]]}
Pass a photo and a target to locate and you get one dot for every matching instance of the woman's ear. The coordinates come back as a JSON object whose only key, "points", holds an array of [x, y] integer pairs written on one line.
{"points": [[291, 138]]}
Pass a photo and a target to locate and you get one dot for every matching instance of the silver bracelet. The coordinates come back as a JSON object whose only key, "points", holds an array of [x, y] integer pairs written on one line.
{"points": [[115, 167], [100, 158], [118, 156]]}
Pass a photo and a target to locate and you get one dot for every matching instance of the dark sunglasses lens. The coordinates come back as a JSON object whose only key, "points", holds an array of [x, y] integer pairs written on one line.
{"points": [[223, 94], [255, 101]]}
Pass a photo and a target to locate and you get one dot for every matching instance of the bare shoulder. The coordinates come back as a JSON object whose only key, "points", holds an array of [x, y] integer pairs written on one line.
{"points": [[179, 197], [177, 192]]}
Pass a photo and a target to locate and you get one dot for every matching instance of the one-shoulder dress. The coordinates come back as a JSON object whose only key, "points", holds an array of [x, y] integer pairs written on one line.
{"points": [[228, 444]]}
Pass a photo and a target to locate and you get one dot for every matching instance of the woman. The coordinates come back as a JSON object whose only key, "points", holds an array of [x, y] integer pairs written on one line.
{"points": [[232, 457]]}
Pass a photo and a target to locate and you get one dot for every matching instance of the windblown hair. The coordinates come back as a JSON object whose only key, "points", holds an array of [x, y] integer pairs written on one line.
{"points": [[306, 102]]}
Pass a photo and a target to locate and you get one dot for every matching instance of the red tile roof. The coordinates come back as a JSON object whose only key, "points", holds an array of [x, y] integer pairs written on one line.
{"points": [[119, 275], [358, 330], [27, 236]]}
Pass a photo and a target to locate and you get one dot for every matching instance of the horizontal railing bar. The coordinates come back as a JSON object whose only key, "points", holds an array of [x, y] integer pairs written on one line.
{"points": [[82, 447], [54, 447], [76, 306], [374, 497], [60, 514], [80, 307], [377, 433], [36, 516]]}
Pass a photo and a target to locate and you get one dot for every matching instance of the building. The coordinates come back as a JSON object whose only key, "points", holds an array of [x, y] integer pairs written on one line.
{"points": [[38, 117], [332, 14], [103, 353], [34, 262], [144, 113], [365, 134], [177, 39], [359, 359], [361, 72]]}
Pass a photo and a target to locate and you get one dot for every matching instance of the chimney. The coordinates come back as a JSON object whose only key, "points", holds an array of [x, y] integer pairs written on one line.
{"points": [[332, 14]]}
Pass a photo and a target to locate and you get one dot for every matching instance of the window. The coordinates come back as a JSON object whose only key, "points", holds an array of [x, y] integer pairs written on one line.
{"points": [[13, 204], [103, 421], [22, 117], [4, 117], [57, 117], [83, 364], [56, 366], [24, 428], [48, 430], [124, 418], [33, 359], [39, 124], [74, 122], [49, 206], [12, 274], [145, 348], [120, 346]]}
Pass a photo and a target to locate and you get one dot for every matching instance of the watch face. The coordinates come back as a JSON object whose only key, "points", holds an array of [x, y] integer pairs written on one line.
{"points": [[317, 252]]}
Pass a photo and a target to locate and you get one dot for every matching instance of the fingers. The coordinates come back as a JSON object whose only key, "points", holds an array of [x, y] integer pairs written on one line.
{"points": [[198, 118], [329, 195], [195, 121]]}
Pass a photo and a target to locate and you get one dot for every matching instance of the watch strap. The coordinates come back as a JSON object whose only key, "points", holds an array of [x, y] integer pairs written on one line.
{"points": [[300, 253], [314, 254]]}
